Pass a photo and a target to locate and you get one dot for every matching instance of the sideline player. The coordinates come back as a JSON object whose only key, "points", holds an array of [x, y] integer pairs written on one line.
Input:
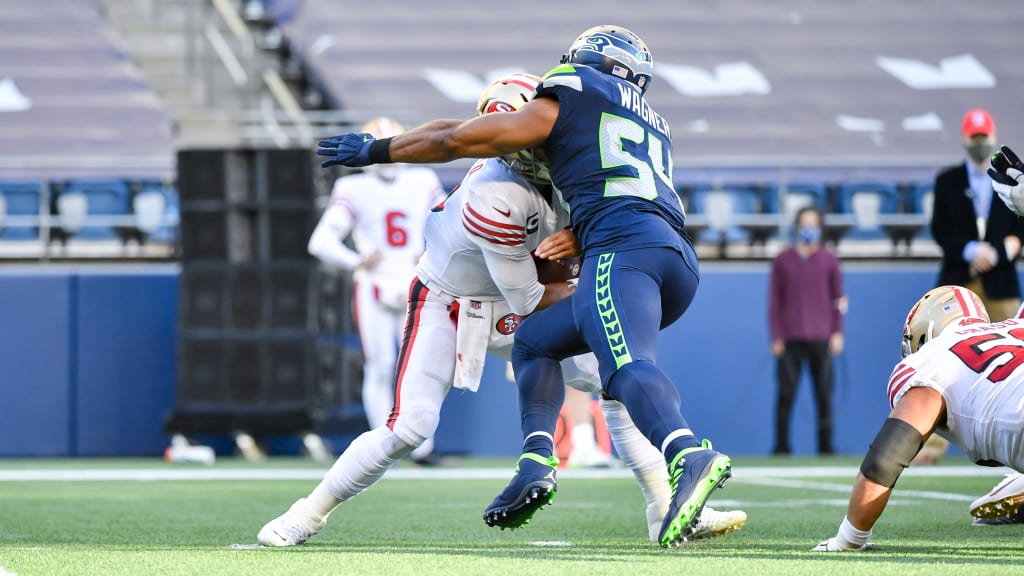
{"points": [[610, 156], [479, 246], [384, 208], [960, 377]]}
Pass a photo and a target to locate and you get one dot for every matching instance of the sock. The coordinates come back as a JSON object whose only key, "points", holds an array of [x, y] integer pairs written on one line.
{"points": [[850, 536], [364, 462], [541, 395], [583, 437], [643, 459], [653, 404]]}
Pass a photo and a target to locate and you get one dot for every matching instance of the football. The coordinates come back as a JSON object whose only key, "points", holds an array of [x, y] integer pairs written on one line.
{"points": [[550, 271]]}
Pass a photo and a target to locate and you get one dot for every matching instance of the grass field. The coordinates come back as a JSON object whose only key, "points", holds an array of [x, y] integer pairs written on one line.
{"points": [[88, 517]]}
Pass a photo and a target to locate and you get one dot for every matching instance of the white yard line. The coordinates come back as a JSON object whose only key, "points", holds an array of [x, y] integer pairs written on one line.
{"points": [[191, 472], [6, 572], [845, 488]]}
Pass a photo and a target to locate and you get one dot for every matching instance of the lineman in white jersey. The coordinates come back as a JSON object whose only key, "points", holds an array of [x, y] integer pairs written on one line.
{"points": [[961, 377], [477, 274], [384, 209]]}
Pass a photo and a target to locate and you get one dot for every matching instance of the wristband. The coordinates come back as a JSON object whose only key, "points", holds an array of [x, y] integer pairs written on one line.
{"points": [[380, 151]]}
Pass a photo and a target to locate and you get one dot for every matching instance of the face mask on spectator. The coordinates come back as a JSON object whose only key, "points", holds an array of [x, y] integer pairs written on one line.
{"points": [[979, 152], [808, 234]]}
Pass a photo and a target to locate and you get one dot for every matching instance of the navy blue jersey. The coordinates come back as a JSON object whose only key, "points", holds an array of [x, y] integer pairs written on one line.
{"points": [[611, 158]]}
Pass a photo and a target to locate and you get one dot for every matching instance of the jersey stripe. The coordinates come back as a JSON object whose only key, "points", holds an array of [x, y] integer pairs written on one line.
{"points": [[901, 375], [506, 234]]}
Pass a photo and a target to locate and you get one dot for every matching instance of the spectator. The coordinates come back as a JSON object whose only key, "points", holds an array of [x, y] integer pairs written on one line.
{"points": [[980, 239], [805, 311]]}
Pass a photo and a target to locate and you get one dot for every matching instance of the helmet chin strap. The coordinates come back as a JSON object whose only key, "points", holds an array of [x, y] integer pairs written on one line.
{"points": [[931, 331]]}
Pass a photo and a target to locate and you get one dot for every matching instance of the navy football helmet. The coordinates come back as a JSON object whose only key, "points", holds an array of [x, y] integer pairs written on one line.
{"points": [[613, 50]]}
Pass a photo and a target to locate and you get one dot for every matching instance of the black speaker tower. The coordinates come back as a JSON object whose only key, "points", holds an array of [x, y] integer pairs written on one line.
{"points": [[260, 324]]}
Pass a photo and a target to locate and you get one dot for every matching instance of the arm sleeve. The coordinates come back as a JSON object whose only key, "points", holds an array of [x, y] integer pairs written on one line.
{"points": [[516, 278], [326, 242], [775, 301]]}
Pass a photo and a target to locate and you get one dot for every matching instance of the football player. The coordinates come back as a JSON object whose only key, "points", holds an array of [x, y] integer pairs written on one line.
{"points": [[610, 157], [960, 377], [478, 264], [384, 209]]}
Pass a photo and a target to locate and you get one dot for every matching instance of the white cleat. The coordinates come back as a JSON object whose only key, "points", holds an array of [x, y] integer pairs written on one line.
{"points": [[713, 523], [292, 528], [1004, 504]]}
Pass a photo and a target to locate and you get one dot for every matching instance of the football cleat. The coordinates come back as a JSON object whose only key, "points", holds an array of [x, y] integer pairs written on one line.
{"points": [[293, 527], [694, 474], [713, 523], [1004, 504], [532, 488]]}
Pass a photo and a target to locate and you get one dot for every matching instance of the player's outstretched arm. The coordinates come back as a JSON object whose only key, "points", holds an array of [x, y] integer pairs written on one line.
{"points": [[1007, 174], [900, 439], [444, 140]]}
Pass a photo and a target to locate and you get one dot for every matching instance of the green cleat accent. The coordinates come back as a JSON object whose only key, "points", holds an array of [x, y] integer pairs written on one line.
{"points": [[531, 489], [693, 480]]}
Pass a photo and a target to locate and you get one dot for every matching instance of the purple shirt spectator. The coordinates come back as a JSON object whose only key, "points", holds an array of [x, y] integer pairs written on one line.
{"points": [[805, 295]]}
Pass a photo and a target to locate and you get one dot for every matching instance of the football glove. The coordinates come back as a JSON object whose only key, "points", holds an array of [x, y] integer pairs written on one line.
{"points": [[834, 544], [1007, 173], [352, 150]]}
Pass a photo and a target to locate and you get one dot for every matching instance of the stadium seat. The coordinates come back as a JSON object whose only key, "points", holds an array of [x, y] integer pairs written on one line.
{"points": [[865, 202], [787, 200], [19, 199], [84, 198], [155, 207], [720, 207]]}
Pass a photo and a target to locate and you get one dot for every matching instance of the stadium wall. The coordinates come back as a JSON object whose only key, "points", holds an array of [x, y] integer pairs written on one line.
{"points": [[87, 363]]}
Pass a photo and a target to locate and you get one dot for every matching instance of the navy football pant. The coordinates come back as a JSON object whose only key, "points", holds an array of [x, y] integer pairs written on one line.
{"points": [[623, 301]]}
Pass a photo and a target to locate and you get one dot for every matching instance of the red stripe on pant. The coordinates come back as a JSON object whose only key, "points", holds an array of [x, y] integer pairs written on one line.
{"points": [[417, 295]]}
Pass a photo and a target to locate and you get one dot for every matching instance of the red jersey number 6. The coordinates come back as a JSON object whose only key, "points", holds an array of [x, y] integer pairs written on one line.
{"points": [[397, 236]]}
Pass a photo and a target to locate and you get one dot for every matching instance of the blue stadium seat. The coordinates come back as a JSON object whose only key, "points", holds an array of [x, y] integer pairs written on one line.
{"points": [[719, 206], [865, 201], [155, 196], [20, 198], [102, 198], [797, 195]]}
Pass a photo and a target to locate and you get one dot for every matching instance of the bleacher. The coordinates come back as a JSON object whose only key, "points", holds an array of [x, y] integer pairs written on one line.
{"points": [[86, 146], [855, 105]]}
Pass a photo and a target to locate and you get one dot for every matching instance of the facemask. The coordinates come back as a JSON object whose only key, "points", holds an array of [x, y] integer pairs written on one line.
{"points": [[809, 234], [980, 152]]}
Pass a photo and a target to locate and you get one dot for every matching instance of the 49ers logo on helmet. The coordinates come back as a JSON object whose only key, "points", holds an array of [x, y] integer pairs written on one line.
{"points": [[498, 106], [507, 324]]}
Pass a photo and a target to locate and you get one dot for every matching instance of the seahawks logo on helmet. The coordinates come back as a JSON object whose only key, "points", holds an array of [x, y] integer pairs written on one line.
{"points": [[613, 50]]}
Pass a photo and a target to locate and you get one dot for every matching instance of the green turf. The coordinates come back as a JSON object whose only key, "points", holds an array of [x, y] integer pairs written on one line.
{"points": [[435, 527]]}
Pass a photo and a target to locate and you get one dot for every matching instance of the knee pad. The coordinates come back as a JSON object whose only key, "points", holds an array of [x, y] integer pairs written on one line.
{"points": [[636, 373], [415, 424]]}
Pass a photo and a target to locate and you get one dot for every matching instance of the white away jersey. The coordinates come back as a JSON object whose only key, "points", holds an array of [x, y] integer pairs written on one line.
{"points": [[495, 210], [389, 216], [977, 369]]}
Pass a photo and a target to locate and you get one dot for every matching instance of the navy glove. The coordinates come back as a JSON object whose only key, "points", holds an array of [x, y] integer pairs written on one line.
{"points": [[350, 149]]}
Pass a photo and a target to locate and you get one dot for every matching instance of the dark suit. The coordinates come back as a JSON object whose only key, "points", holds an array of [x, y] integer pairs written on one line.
{"points": [[954, 224]]}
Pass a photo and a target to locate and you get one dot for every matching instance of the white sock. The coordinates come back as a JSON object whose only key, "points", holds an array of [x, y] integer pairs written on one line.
{"points": [[850, 536], [364, 462], [583, 437], [646, 462]]}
